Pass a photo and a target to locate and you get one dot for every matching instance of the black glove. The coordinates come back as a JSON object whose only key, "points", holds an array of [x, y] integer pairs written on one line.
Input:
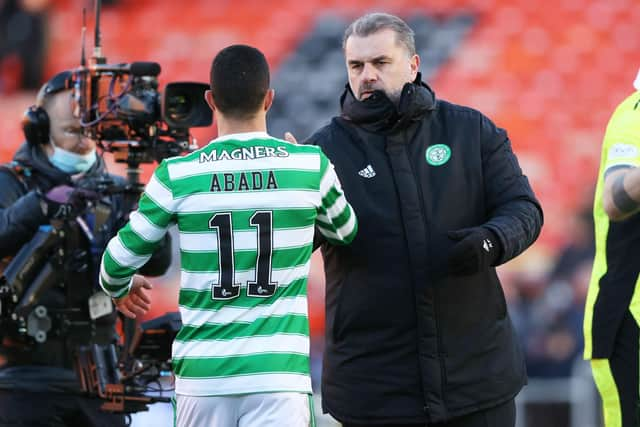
{"points": [[64, 202], [477, 249]]}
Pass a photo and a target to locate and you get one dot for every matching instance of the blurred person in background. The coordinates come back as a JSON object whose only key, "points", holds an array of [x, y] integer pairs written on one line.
{"points": [[551, 323], [612, 312], [47, 182], [417, 330], [23, 28]]}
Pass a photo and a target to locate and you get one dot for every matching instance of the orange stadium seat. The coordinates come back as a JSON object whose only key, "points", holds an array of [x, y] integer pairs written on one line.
{"points": [[550, 71]]}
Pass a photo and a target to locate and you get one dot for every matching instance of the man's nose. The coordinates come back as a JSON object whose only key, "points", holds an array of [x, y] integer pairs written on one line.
{"points": [[369, 73]]}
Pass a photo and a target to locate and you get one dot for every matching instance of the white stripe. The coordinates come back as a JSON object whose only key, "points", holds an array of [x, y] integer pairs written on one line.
{"points": [[299, 161], [145, 228], [243, 384], [343, 231], [217, 202], [203, 281], [278, 343], [123, 256], [113, 282], [329, 180], [159, 194], [337, 208], [247, 239], [325, 219], [229, 314]]}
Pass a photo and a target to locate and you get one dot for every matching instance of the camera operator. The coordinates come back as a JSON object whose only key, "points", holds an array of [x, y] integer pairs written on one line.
{"points": [[51, 180]]}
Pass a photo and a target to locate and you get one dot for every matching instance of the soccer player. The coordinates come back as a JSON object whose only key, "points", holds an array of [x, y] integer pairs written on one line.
{"points": [[246, 206]]}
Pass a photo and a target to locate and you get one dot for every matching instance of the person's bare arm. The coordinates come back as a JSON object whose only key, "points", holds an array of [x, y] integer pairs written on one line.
{"points": [[621, 195]]}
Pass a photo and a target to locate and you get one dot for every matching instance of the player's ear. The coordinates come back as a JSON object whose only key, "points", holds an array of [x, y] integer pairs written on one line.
{"points": [[208, 96], [268, 99]]}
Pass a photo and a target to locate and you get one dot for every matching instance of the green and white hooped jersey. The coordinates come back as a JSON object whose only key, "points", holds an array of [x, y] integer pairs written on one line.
{"points": [[246, 206]]}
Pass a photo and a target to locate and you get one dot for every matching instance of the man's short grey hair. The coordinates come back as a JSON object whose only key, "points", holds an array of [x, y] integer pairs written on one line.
{"points": [[374, 22]]}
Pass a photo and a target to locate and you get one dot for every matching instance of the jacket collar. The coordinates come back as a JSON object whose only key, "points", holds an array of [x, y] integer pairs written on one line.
{"points": [[378, 113], [34, 158]]}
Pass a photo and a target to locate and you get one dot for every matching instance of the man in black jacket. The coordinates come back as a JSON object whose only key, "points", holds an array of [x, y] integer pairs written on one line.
{"points": [[417, 329], [52, 179]]}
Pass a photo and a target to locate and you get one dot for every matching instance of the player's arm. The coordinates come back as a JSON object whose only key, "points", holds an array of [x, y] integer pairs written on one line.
{"points": [[621, 194], [134, 244], [621, 161], [336, 220]]}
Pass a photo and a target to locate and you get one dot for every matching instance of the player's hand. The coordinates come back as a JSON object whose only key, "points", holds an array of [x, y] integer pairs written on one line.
{"points": [[477, 249], [288, 136], [136, 302]]}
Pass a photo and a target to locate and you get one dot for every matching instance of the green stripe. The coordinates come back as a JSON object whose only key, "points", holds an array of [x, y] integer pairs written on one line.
{"points": [[345, 241], [324, 166], [352, 235], [154, 212], [330, 198], [202, 300], [245, 181], [162, 175], [245, 260], [282, 219], [289, 324], [113, 288], [343, 218], [114, 269], [135, 243], [338, 221], [216, 367]]}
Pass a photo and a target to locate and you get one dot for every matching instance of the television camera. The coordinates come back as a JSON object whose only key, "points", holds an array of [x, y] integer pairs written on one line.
{"points": [[121, 108]]}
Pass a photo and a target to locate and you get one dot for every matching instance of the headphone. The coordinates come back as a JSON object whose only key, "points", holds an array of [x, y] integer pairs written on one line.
{"points": [[35, 121]]}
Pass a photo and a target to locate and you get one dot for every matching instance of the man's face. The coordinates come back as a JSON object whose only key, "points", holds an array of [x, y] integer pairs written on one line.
{"points": [[379, 62], [65, 129]]}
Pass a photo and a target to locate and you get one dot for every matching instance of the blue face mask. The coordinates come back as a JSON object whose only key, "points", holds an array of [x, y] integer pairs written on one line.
{"points": [[70, 162]]}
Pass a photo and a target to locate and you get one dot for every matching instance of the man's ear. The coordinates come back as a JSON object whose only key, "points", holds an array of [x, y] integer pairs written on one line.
{"points": [[415, 66], [268, 99], [208, 96]]}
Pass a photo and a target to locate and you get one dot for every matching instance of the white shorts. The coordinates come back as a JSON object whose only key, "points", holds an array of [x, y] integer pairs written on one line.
{"points": [[245, 410]]}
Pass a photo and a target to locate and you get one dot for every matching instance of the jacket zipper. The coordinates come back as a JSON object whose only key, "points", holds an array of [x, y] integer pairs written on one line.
{"points": [[436, 307]]}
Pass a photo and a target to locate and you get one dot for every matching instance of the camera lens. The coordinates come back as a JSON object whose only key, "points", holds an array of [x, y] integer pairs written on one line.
{"points": [[178, 107]]}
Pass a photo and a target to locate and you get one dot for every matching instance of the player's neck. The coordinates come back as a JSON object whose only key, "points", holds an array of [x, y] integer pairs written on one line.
{"points": [[230, 126]]}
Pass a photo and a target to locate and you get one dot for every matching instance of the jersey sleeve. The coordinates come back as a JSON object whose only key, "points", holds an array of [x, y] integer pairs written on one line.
{"points": [[621, 146], [134, 244], [336, 219]]}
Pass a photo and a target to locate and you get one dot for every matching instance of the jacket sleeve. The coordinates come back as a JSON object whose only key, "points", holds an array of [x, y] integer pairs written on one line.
{"points": [[160, 260], [514, 213], [336, 220], [315, 139], [20, 214], [145, 232]]}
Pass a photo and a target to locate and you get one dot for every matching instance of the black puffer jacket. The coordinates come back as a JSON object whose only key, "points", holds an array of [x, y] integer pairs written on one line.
{"points": [[67, 302], [406, 342]]}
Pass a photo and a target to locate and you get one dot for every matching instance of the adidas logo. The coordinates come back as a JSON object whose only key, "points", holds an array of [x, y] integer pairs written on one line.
{"points": [[487, 245], [367, 172]]}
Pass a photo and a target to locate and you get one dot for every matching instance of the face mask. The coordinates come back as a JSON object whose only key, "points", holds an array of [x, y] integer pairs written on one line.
{"points": [[70, 162]]}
